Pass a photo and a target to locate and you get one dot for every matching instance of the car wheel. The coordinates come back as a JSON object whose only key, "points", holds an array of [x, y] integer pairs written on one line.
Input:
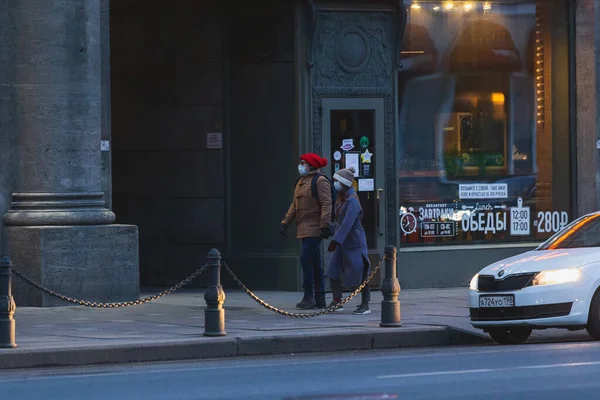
{"points": [[516, 335], [593, 325]]}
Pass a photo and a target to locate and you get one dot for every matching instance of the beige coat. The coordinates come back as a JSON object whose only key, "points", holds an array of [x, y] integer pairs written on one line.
{"points": [[310, 215]]}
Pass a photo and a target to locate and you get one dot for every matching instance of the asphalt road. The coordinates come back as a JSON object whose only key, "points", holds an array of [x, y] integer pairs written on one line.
{"points": [[538, 371]]}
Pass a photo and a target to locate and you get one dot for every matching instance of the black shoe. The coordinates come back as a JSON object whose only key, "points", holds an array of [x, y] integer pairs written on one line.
{"points": [[320, 302], [362, 309], [307, 303], [333, 304]]}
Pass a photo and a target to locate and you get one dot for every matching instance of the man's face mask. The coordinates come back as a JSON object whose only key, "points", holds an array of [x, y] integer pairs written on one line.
{"points": [[302, 169]]}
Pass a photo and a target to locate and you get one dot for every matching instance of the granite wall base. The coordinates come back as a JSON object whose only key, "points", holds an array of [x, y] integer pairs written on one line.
{"points": [[443, 268], [96, 263]]}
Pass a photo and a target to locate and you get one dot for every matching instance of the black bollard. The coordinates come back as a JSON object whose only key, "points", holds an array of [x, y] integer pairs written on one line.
{"points": [[7, 306], [390, 306], [214, 315]]}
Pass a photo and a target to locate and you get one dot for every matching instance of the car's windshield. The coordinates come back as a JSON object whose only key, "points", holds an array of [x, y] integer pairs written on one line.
{"points": [[583, 232]]}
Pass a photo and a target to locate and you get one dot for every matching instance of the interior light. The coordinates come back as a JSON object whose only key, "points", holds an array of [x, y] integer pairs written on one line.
{"points": [[449, 5], [498, 98], [436, 8], [416, 6], [487, 6], [468, 6], [539, 72]]}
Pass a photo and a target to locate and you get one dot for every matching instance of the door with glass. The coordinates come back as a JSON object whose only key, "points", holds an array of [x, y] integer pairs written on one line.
{"points": [[353, 136]]}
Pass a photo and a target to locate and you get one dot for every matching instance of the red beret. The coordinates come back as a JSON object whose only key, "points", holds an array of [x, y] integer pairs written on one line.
{"points": [[314, 160]]}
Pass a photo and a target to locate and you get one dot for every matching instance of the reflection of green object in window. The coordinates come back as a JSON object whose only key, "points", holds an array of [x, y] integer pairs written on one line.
{"points": [[499, 160], [482, 159], [453, 162], [364, 142]]}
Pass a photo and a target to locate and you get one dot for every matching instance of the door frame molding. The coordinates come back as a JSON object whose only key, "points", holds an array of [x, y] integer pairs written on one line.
{"points": [[376, 104], [391, 181]]}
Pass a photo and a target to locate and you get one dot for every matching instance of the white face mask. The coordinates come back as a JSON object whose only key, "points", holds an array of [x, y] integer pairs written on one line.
{"points": [[302, 169], [337, 186]]}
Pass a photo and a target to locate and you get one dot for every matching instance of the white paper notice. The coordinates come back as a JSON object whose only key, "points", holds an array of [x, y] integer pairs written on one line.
{"points": [[352, 160], [519, 219], [366, 185], [214, 140], [483, 191], [104, 145]]}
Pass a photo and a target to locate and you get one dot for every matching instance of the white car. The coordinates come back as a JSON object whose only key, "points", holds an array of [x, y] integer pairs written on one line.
{"points": [[553, 286]]}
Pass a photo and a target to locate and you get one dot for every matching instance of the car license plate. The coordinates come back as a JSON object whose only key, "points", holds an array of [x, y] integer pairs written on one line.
{"points": [[496, 301]]}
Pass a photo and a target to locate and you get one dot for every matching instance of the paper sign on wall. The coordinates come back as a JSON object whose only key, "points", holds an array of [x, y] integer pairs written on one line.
{"points": [[353, 160], [483, 191], [366, 185], [214, 140], [104, 145], [519, 219]]}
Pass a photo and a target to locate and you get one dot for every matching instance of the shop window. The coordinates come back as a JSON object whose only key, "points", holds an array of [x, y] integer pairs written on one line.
{"points": [[483, 130]]}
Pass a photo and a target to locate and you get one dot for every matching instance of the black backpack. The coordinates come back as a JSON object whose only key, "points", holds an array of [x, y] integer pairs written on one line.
{"points": [[315, 191]]}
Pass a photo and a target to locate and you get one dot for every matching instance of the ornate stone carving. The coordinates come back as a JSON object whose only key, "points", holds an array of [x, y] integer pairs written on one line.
{"points": [[353, 49], [354, 56]]}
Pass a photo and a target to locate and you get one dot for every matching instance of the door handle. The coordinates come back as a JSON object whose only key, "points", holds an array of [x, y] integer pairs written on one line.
{"points": [[377, 211]]}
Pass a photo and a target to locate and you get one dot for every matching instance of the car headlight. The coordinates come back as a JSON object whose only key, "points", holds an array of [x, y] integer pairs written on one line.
{"points": [[556, 277], [473, 285]]}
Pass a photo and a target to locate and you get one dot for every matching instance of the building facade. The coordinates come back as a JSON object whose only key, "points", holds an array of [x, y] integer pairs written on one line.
{"points": [[473, 126]]}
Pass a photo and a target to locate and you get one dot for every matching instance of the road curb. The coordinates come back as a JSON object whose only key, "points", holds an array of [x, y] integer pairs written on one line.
{"points": [[231, 346]]}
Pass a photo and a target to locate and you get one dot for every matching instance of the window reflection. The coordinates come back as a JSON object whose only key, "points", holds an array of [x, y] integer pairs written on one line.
{"points": [[475, 131], [583, 233]]}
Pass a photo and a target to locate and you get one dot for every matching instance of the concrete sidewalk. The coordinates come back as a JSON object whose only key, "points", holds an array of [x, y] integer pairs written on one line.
{"points": [[171, 328]]}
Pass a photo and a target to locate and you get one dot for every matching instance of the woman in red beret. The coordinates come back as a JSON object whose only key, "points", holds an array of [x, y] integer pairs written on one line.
{"points": [[312, 213]]}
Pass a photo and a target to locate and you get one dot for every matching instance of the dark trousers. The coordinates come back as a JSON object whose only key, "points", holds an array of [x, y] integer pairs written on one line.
{"points": [[312, 269], [336, 288]]}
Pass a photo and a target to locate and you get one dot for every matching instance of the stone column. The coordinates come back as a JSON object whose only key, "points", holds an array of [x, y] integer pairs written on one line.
{"points": [[57, 86], [58, 224], [586, 56], [7, 136]]}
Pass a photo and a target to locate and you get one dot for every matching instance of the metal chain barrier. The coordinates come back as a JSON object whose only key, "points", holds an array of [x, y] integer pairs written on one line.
{"points": [[93, 304], [303, 315]]}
